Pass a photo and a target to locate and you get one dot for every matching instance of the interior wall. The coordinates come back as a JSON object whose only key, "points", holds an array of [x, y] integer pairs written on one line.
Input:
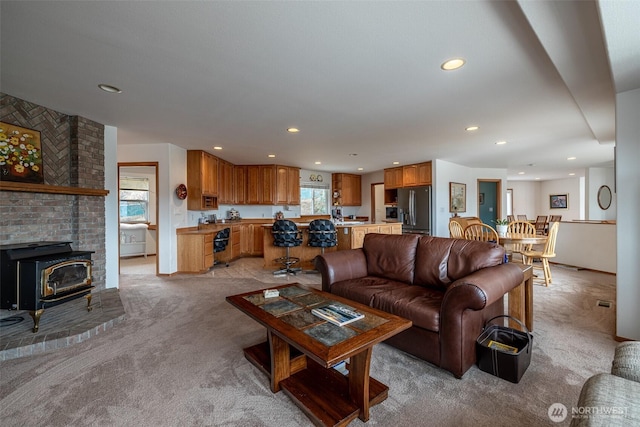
{"points": [[366, 180], [628, 227], [526, 195], [570, 186], [595, 178], [445, 172], [111, 206]]}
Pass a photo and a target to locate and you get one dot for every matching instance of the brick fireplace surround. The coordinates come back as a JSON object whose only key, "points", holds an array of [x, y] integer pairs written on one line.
{"points": [[73, 156]]}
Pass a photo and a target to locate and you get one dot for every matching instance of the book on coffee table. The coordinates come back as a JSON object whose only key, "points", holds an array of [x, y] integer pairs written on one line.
{"points": [[337, 314]]}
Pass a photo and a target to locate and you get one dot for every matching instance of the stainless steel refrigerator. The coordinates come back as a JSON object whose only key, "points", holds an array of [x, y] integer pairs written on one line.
{"points": [[414, 209]]}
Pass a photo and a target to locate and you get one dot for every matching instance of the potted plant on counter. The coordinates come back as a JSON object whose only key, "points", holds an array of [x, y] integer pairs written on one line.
{"points": [[501, 226]]}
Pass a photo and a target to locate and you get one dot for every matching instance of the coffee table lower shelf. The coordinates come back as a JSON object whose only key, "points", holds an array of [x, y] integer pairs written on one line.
{"points": [[323, 394]]}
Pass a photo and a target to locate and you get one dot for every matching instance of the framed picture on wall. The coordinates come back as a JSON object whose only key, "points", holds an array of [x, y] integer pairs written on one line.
{"points": [[20, 154], [558, 201], [457, 197]]}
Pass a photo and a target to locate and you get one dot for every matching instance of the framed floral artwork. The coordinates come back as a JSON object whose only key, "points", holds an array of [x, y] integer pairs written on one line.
{"points": [[20, 154]]}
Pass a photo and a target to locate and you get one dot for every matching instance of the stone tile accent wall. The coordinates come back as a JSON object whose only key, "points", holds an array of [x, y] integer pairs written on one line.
{"points": [[73, 156]]}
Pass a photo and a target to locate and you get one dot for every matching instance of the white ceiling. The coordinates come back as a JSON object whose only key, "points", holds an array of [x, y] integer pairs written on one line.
{"points": [[356, 77]]}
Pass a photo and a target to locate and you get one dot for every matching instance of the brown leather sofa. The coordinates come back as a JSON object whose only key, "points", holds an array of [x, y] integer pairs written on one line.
{"points": [[448, 288]]}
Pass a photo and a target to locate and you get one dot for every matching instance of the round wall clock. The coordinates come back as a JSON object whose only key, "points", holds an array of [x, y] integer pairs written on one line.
{"points": [[181, 191]]}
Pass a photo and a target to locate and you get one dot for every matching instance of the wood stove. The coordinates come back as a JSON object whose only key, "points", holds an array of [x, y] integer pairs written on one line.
{"points": [[43, 274]]}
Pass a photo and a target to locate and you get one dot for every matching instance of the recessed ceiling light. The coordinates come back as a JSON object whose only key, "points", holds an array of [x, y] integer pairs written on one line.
{"points": [[271, 155], [572, 174], [360, 169], [318, 163], [537, 178], [501, 142], [471, 128], [109, 88], [396, 163], [571, 158], [217, 148], [452, 64], [520, 173], [293, 130]]}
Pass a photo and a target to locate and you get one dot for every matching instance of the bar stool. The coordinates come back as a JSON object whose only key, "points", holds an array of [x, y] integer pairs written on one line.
{"points": [[286, 235], [322, 234]]}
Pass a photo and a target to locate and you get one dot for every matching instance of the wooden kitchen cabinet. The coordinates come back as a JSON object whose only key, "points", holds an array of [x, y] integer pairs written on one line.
{"points": [[195, 252], [235, 242], [239, 185], [258, 239], [393, 178], [406, 176], [287, 185], [346, 189], [261, 184], [202, 180], [225, 182]]}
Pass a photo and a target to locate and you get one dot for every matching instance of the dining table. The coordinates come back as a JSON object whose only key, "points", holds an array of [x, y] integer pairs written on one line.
{"points": [[521, 297]]}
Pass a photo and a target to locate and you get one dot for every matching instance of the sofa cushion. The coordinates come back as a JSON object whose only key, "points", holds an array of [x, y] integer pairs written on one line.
{"points": [[416, 303], [391, 256], [441, 261], [363, 289]]}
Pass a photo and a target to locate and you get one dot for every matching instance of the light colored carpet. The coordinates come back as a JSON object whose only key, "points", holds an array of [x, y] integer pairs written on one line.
{"points": [[177, 361]]}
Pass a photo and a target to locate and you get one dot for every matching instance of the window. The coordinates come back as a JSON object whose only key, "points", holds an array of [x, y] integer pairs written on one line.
{"points": [[314, 199], [134, 199]]}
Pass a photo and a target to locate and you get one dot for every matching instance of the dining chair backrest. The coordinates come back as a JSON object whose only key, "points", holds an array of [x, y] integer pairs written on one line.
{"points": [[541, 224], [521, 229], [510, 218], [550, 245], [555, 218], [481, 232], [455, 230], [522, 218]]}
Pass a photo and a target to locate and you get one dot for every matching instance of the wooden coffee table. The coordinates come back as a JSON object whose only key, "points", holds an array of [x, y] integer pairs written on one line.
{"points": [[301, 350]]}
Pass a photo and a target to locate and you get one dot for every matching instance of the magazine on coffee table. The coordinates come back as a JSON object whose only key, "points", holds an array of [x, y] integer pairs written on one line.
{"points": [[337, 314]]}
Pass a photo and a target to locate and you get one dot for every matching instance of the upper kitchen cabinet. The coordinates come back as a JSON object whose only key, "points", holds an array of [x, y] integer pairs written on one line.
{"points": [[261, 184], [287, 185], [346, 189], [416, 175], [393, 178], [225, 182], [407, 176], [239, 185], [202, 180]]}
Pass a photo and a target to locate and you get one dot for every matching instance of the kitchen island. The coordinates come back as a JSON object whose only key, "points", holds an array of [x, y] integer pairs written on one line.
{"points": [[350, 236]]}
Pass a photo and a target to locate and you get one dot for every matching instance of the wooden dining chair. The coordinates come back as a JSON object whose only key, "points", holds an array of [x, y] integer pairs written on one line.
{"points": [[510, 218], [481, 232], [555, 218], [545, 254], [520, 229], [455, 230], [541, 224], [522, 218]]}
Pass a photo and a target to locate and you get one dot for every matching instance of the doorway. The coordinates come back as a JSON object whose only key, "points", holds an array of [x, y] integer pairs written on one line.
{"points": [[138, 217], [489, 200], [378, 212]]}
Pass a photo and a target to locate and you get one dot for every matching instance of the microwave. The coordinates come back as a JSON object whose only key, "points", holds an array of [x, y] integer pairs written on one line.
{"points": [[392, 213]]}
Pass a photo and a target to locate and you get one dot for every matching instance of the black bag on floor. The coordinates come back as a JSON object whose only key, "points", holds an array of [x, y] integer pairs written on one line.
{"points": [[504, 352]]}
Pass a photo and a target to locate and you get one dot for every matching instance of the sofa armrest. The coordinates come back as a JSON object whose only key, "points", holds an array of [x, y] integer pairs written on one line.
{"points": [[481, 288], [341, 265], [626, 362]]}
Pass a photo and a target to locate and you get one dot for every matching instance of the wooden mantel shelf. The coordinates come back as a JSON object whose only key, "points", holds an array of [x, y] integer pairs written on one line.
{"points": [[53, 189]]}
